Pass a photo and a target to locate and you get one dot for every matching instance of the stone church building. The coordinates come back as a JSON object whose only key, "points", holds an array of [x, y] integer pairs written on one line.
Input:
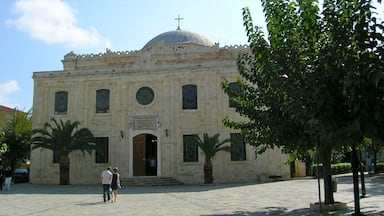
{"points": [[142, 106]]}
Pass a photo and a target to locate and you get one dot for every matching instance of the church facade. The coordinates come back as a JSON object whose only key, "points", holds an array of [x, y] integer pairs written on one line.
{"points": [[142, 106]]}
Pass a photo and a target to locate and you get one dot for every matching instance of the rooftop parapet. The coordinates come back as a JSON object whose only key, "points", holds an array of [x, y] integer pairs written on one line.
{"points": [[160, 52]]}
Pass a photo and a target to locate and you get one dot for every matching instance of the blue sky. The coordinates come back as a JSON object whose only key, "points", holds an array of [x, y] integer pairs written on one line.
{"points": [[36, 34]]}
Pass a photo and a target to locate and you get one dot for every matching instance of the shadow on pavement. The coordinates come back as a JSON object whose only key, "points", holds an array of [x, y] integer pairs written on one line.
{"points": [[91, 203], [277, 211], [27, 188], [375, 186]]}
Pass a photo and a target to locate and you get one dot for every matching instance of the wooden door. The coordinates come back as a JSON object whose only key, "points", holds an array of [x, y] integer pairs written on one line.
{"points": [[139, 155]]}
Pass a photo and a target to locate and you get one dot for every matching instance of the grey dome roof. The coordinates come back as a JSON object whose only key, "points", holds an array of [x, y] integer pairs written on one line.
{"points": [[179, 36]]}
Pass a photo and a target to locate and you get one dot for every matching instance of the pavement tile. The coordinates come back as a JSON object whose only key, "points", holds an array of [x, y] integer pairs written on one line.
{"points": [[290, 197]]}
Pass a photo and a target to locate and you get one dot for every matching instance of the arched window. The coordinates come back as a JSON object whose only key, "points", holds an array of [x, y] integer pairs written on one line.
{"points": [[102, 101], [61, 102], [190, 96]]}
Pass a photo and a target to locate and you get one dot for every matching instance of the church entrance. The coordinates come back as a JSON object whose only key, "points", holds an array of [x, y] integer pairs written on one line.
{"points": [[145, 155]]}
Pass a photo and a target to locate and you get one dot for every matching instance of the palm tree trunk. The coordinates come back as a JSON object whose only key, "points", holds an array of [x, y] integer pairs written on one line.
{"points": [[208, 178], [64, 169]]}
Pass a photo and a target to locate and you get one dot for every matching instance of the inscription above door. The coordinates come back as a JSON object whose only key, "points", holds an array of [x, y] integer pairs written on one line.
{"points": [[145, 122]]}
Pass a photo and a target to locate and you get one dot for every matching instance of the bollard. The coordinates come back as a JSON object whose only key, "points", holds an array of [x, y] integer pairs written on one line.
{"points": [[334, 185]]}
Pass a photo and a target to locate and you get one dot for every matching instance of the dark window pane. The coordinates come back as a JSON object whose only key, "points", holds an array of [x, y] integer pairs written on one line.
{"points": [[56, 156], [190, 153], [61, 102], [102, 150], [235, 87], [145, 95], [190, 97], [237, 147], [102, 101]]}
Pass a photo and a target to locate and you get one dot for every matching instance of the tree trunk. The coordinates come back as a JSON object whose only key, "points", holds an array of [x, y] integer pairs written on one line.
{"points": [[64, 169], [374, 163], [325, 157], [355, 165], [208, 179]]}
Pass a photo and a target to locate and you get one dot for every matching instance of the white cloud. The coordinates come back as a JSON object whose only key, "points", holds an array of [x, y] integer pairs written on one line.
{"points": [[6, 89], [54, 21]]}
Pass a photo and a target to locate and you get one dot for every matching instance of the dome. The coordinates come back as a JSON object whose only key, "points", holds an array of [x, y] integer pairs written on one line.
{"points": [[179, 36]]}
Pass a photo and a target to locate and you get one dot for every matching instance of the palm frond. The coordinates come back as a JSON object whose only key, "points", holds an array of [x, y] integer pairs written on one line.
{"points": [[63, 137], [210, 145]]}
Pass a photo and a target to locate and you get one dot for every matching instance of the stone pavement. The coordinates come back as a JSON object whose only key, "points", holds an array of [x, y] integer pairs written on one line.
{"points": [[291, 197]]}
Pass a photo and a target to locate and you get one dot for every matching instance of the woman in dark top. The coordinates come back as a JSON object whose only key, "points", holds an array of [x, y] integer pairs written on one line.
{"points": [[115, 184]]}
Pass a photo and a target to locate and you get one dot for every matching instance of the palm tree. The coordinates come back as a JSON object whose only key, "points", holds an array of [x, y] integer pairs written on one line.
{"points": [[210, 146], [63, 138]]}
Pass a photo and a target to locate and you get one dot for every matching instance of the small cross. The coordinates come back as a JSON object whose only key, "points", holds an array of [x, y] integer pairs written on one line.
{"points": [[178, 21]]}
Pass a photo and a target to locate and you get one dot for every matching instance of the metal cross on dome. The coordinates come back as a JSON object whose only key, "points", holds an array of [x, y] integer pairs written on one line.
{"points": [[178, 21]]}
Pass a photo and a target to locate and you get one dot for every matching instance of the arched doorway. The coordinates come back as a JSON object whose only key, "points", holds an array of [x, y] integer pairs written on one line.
{"points": [[145, 155]]}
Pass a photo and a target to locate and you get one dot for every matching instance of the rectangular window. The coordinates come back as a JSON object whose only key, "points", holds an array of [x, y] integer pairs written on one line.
{"points": [[189, 97], [56, 156], [102, 150], [237, 147], [235, 92], [102, 101], [61, 102], [190, 151]]}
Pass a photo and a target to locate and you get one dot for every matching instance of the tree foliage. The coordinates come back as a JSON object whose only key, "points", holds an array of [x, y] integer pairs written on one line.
{"points": [[3, 146], [316, 79], [15, 138], [63, 138]]}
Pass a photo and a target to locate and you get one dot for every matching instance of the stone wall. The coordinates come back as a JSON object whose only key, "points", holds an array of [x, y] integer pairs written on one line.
{"points": [[165, 70]]}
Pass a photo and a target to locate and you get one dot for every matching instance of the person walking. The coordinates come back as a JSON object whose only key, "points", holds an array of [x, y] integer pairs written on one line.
{"points": [[115, 184], [1, 176], [368, 162], [106, 179], [8, 178]]}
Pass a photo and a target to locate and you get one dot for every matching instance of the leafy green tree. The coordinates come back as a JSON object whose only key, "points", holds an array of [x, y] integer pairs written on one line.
{"points": [[210, 145], [3, 146], [309, 84], [375, 147], [354, 49], [16, 138], [63, 138]]}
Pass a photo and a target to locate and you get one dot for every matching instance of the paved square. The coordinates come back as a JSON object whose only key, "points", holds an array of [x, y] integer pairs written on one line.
{"points": [[290, 197]]}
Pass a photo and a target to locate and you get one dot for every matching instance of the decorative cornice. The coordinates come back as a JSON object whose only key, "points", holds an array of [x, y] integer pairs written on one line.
{"points": [[158, 49]]}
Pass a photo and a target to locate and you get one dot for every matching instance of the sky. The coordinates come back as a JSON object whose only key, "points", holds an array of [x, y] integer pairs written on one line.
{"points": [[36, 34]]}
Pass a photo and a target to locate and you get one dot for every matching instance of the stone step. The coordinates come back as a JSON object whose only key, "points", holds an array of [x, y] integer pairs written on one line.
{"points": [[149, 181]]}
